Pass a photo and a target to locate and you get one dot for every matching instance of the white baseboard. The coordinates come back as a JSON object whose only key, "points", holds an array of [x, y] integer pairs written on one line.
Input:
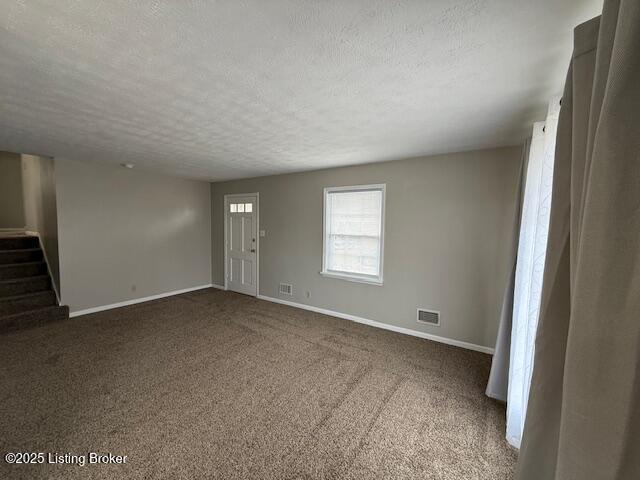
{"points": [[102, 308], [346, 316], [385, 326]]}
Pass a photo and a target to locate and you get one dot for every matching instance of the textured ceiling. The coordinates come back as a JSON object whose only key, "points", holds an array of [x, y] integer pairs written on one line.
{"points": [[231, 89]]}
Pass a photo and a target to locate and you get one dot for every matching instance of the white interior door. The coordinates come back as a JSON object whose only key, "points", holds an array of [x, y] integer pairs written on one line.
{"points": [[242, 243]]}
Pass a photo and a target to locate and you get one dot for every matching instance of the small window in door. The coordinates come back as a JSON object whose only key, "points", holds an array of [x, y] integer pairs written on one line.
{"points": [[233, 208], [248, 207]]}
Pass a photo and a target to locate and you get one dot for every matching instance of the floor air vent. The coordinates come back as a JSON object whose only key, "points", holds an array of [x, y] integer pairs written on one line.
{"points": [[286, 289], [430, 317]]}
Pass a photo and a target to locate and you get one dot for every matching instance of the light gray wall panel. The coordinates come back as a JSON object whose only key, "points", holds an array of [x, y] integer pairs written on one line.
{"points": [[11, 203], [447, 237], [122, 228]]}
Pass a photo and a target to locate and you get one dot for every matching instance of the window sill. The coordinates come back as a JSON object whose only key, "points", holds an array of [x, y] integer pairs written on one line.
{"points": [[352, 278]]}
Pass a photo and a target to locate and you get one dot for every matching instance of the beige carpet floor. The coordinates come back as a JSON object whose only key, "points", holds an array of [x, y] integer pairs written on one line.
{"points": [[212, 384]]}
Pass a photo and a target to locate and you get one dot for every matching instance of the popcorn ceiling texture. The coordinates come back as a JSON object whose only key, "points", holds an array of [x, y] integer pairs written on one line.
{"points": [[221, 90]]}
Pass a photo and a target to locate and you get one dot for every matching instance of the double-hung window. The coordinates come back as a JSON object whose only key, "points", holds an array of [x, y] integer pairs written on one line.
{"points": [[354, 233]]}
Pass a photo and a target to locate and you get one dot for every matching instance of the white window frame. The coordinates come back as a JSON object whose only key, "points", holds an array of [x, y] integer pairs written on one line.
{"points": [[350, 276]]}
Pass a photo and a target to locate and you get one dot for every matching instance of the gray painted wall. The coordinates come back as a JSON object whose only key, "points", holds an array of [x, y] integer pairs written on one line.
{"points": [[447, 237], [38, 180], [11, 203], [122, 228]]}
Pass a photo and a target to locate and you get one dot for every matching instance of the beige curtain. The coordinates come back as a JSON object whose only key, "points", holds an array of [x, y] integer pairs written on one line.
{"points": [[583, 419]]}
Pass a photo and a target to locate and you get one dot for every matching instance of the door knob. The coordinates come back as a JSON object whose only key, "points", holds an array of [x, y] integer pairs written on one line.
{"points": [[253, 250]]}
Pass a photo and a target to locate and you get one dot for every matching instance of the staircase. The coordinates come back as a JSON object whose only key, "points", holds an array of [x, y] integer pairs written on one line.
{"points": [[26, 296]]}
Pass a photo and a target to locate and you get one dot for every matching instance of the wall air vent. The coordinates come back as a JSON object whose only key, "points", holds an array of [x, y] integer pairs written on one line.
{"points": [[429, 317], [286, 289]]}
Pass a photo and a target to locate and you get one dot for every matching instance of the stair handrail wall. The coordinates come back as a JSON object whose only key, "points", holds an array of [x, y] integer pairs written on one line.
{"points": [[46, 261]]}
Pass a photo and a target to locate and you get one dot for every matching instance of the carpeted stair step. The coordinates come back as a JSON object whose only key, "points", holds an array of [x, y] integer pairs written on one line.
{"points": [[19, 286], [21, 270], [27, 301], [33, 318], [20, 256], [19, 242]]}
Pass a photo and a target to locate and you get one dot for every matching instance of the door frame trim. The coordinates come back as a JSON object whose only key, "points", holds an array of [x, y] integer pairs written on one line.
{"points": [[228, 197]]}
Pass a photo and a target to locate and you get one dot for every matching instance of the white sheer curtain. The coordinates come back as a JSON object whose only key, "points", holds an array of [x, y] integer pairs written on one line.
{"points": [[532, 246]]}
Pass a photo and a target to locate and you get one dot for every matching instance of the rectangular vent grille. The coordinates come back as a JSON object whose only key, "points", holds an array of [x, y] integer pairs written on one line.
{"points": [[286, 289], [430, 317]]}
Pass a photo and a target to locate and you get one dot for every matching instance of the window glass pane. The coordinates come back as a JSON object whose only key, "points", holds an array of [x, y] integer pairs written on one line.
{"points": [[233, 208], [248, 207], [354, 225], [241, 208]]}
